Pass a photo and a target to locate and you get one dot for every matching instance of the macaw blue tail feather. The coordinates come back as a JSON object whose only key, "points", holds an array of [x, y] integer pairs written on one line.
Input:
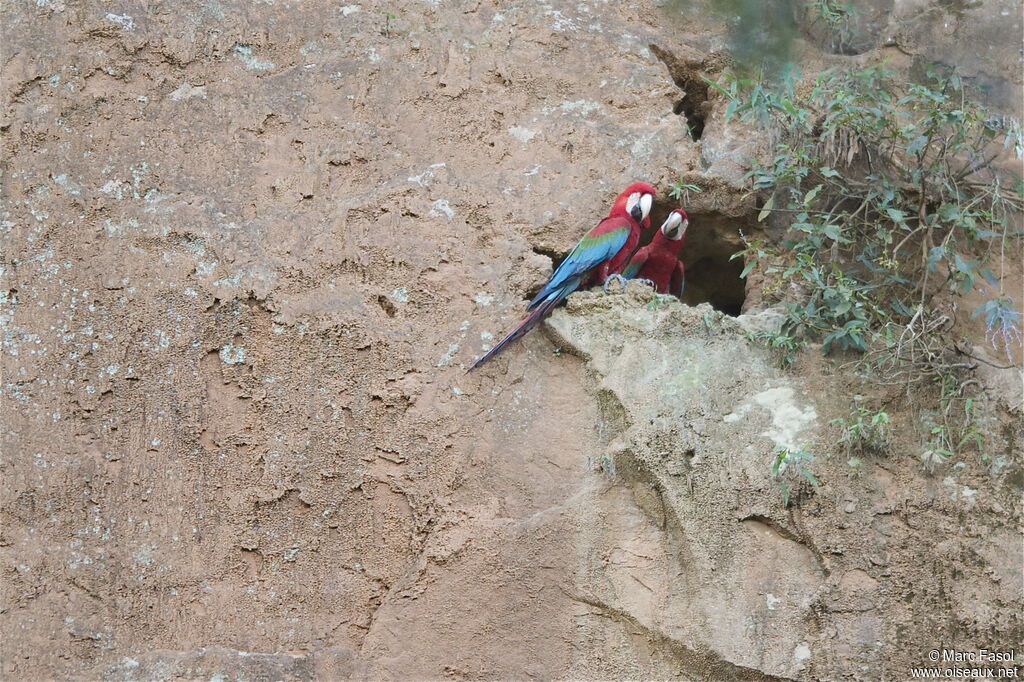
{"points": [[529, 322]]}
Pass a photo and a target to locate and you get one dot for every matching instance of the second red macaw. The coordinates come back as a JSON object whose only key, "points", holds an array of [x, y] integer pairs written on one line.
{"points": [[659, 261], [602, 252]]}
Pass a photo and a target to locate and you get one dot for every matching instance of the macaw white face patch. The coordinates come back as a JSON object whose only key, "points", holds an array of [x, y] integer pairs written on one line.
{"points": [[632, 201], [646, 201]]}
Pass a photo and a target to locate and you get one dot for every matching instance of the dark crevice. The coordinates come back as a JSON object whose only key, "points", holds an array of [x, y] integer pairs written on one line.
{"points": [[720, 283], [686, 74], [711, 240], [386, 305], [694, 114]]}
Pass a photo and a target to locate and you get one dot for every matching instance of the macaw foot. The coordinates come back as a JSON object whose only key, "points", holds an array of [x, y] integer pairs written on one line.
{"points": [[649, 283], [614, 278]]}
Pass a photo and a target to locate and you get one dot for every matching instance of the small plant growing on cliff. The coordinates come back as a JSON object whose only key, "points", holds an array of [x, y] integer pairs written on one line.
{"points": [[1003, 324], [789, 466], [864, 430], [956, 427], [785, 346], [837, 17], [388, 18], [680, 191]]}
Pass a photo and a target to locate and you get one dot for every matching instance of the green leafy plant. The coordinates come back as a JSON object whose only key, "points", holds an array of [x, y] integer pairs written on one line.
{"points": [[892, 209], [956, 426], [752, 253], [864, 430], [680, 191], [388, 18], [889, 195], [786, 347], [789, 466]]}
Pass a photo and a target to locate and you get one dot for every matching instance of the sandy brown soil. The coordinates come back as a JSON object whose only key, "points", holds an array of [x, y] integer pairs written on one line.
{"points": [[248, 250]]}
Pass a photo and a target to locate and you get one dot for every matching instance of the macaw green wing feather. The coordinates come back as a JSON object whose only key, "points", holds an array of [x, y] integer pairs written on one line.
{"points": [[631, 270], [636, 263], [597, 246]]}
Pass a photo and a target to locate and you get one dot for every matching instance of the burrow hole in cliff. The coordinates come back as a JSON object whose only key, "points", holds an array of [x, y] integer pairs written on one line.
{"points": [[693, 106], [711, 240], [712, 275]]}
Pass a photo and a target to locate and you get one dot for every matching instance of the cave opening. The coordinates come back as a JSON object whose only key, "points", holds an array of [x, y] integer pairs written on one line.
{"points": [[712, 275], [690, 108]]}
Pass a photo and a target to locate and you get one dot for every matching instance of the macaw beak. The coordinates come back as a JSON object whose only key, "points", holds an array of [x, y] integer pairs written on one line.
{"points": [[642, 208], [675, 225]]}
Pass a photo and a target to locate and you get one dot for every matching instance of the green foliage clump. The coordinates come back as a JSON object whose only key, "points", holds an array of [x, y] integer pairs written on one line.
{"points": [[785, 346], [892, 207], [789, 466], [890, 197], [955, 427], [680, 191], [864, 430], [838, 19]]}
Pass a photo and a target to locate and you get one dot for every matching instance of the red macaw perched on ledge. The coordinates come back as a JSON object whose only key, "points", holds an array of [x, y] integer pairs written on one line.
{"points": [[602, 252], [659, 261]]}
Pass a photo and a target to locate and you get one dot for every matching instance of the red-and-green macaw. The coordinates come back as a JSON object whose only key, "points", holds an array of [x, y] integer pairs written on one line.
{"points": [[602, 252], [659, 261]]}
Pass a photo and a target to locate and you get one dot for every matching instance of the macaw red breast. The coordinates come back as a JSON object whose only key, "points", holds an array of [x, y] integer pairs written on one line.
{"points": [[659, 262]]}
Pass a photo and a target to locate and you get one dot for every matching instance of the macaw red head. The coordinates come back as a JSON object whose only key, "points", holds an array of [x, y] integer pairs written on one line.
{"points": [[636, 202], [675, 225]]}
